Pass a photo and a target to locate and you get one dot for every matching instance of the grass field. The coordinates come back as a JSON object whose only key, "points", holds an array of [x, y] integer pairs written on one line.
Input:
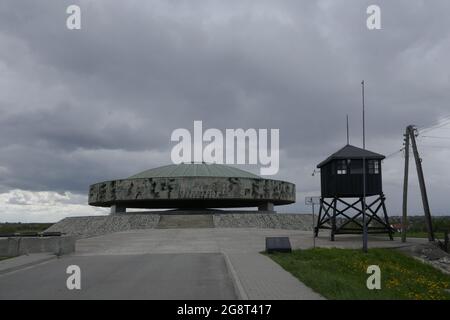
{"points": [[414, 234], [341, 274], [418, 229], [23, 227], [420, 234]]}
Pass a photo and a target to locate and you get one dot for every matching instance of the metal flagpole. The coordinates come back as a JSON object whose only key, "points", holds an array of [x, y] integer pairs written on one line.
{"points": [[314, 235], [348, 138], [364, 171]]}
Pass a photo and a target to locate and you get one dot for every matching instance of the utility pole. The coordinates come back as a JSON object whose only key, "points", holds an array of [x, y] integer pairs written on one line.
{"points": [[423, 190], [365, 235], [405, 186]]}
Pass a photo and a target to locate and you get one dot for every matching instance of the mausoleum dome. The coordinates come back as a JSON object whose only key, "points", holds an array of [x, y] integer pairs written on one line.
{"points": [[195, 170], [192, 185]]}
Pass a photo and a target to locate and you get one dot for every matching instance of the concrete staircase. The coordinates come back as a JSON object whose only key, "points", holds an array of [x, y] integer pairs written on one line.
{"points": [[172, 221]]}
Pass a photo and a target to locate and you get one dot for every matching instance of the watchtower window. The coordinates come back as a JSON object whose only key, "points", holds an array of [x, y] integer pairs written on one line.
{"points": [[356, 167], [341, 167], [374, 167]]}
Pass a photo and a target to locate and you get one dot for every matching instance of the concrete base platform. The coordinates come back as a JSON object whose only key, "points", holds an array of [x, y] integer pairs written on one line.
{"points": [[185, 221], [207, 240], [84, 227]]}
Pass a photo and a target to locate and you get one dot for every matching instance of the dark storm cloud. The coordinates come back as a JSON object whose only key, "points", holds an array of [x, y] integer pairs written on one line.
{"points": [[100, 103]]}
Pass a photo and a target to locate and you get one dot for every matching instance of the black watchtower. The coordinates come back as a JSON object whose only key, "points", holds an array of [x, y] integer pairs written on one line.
{"points": [[342, 178]]}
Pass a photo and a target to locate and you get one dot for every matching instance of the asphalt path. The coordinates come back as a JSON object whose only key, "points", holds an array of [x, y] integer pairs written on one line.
{"points": [[141, 276]]}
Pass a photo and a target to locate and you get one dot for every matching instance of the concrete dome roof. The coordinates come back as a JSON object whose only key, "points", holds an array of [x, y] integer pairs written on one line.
{"points": [[195, 170]]}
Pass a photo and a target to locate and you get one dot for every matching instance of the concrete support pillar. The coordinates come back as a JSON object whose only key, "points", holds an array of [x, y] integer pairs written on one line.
{"points": [[268, 206], [118, 209]]}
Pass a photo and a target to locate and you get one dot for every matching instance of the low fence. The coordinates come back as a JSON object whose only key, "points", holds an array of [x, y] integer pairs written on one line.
{"points": [[20, 245]]}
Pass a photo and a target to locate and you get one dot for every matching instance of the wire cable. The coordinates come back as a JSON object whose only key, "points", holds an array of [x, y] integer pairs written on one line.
{"points": [[436, 137], [394, 153], [442, 122]]}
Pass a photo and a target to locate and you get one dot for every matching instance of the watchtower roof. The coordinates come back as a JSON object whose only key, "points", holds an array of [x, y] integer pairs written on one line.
{"points": [[352, 152]]}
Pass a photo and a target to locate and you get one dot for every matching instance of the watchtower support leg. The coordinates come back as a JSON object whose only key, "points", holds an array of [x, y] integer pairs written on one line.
{"points": [[386, 218], [333, 220], [316, 229]]}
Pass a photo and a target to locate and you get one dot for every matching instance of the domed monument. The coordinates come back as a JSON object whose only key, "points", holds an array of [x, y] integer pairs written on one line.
{"points": [[192, 186]]}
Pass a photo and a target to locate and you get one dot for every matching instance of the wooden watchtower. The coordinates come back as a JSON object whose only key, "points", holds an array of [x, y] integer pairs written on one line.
{"points": [[343, 191]]}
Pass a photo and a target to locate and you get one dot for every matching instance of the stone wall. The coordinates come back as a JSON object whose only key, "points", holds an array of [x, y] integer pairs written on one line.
{"points": [[267, 220], [84, 227]]}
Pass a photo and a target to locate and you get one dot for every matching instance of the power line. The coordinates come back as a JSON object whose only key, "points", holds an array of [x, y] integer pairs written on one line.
{"points": [[444, 128], [434, 123], [442, 122], [436, 137], [446, 122], [436, 147], [394, 153]]}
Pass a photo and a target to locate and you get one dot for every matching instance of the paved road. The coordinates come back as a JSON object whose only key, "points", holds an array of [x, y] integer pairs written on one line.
{"points": [[175, 264], [143, 276]]}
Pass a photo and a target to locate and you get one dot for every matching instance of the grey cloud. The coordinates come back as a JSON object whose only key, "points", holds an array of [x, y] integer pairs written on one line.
{"points": [[96, 102]]}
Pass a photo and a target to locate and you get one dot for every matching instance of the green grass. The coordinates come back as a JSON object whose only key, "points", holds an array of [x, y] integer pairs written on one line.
{"points": [[23, 227], [413, 234], [419, 234], [341, 274], [4, 258], [417, 225]]}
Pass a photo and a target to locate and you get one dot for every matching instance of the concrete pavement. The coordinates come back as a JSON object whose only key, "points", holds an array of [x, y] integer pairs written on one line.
{"points": [[175, 264], [263, 279], [144, 276], [232, 240], [24, 261]]}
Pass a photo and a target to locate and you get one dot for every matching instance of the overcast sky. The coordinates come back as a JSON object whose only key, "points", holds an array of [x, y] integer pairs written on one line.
{"points": [[100, 103]]}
